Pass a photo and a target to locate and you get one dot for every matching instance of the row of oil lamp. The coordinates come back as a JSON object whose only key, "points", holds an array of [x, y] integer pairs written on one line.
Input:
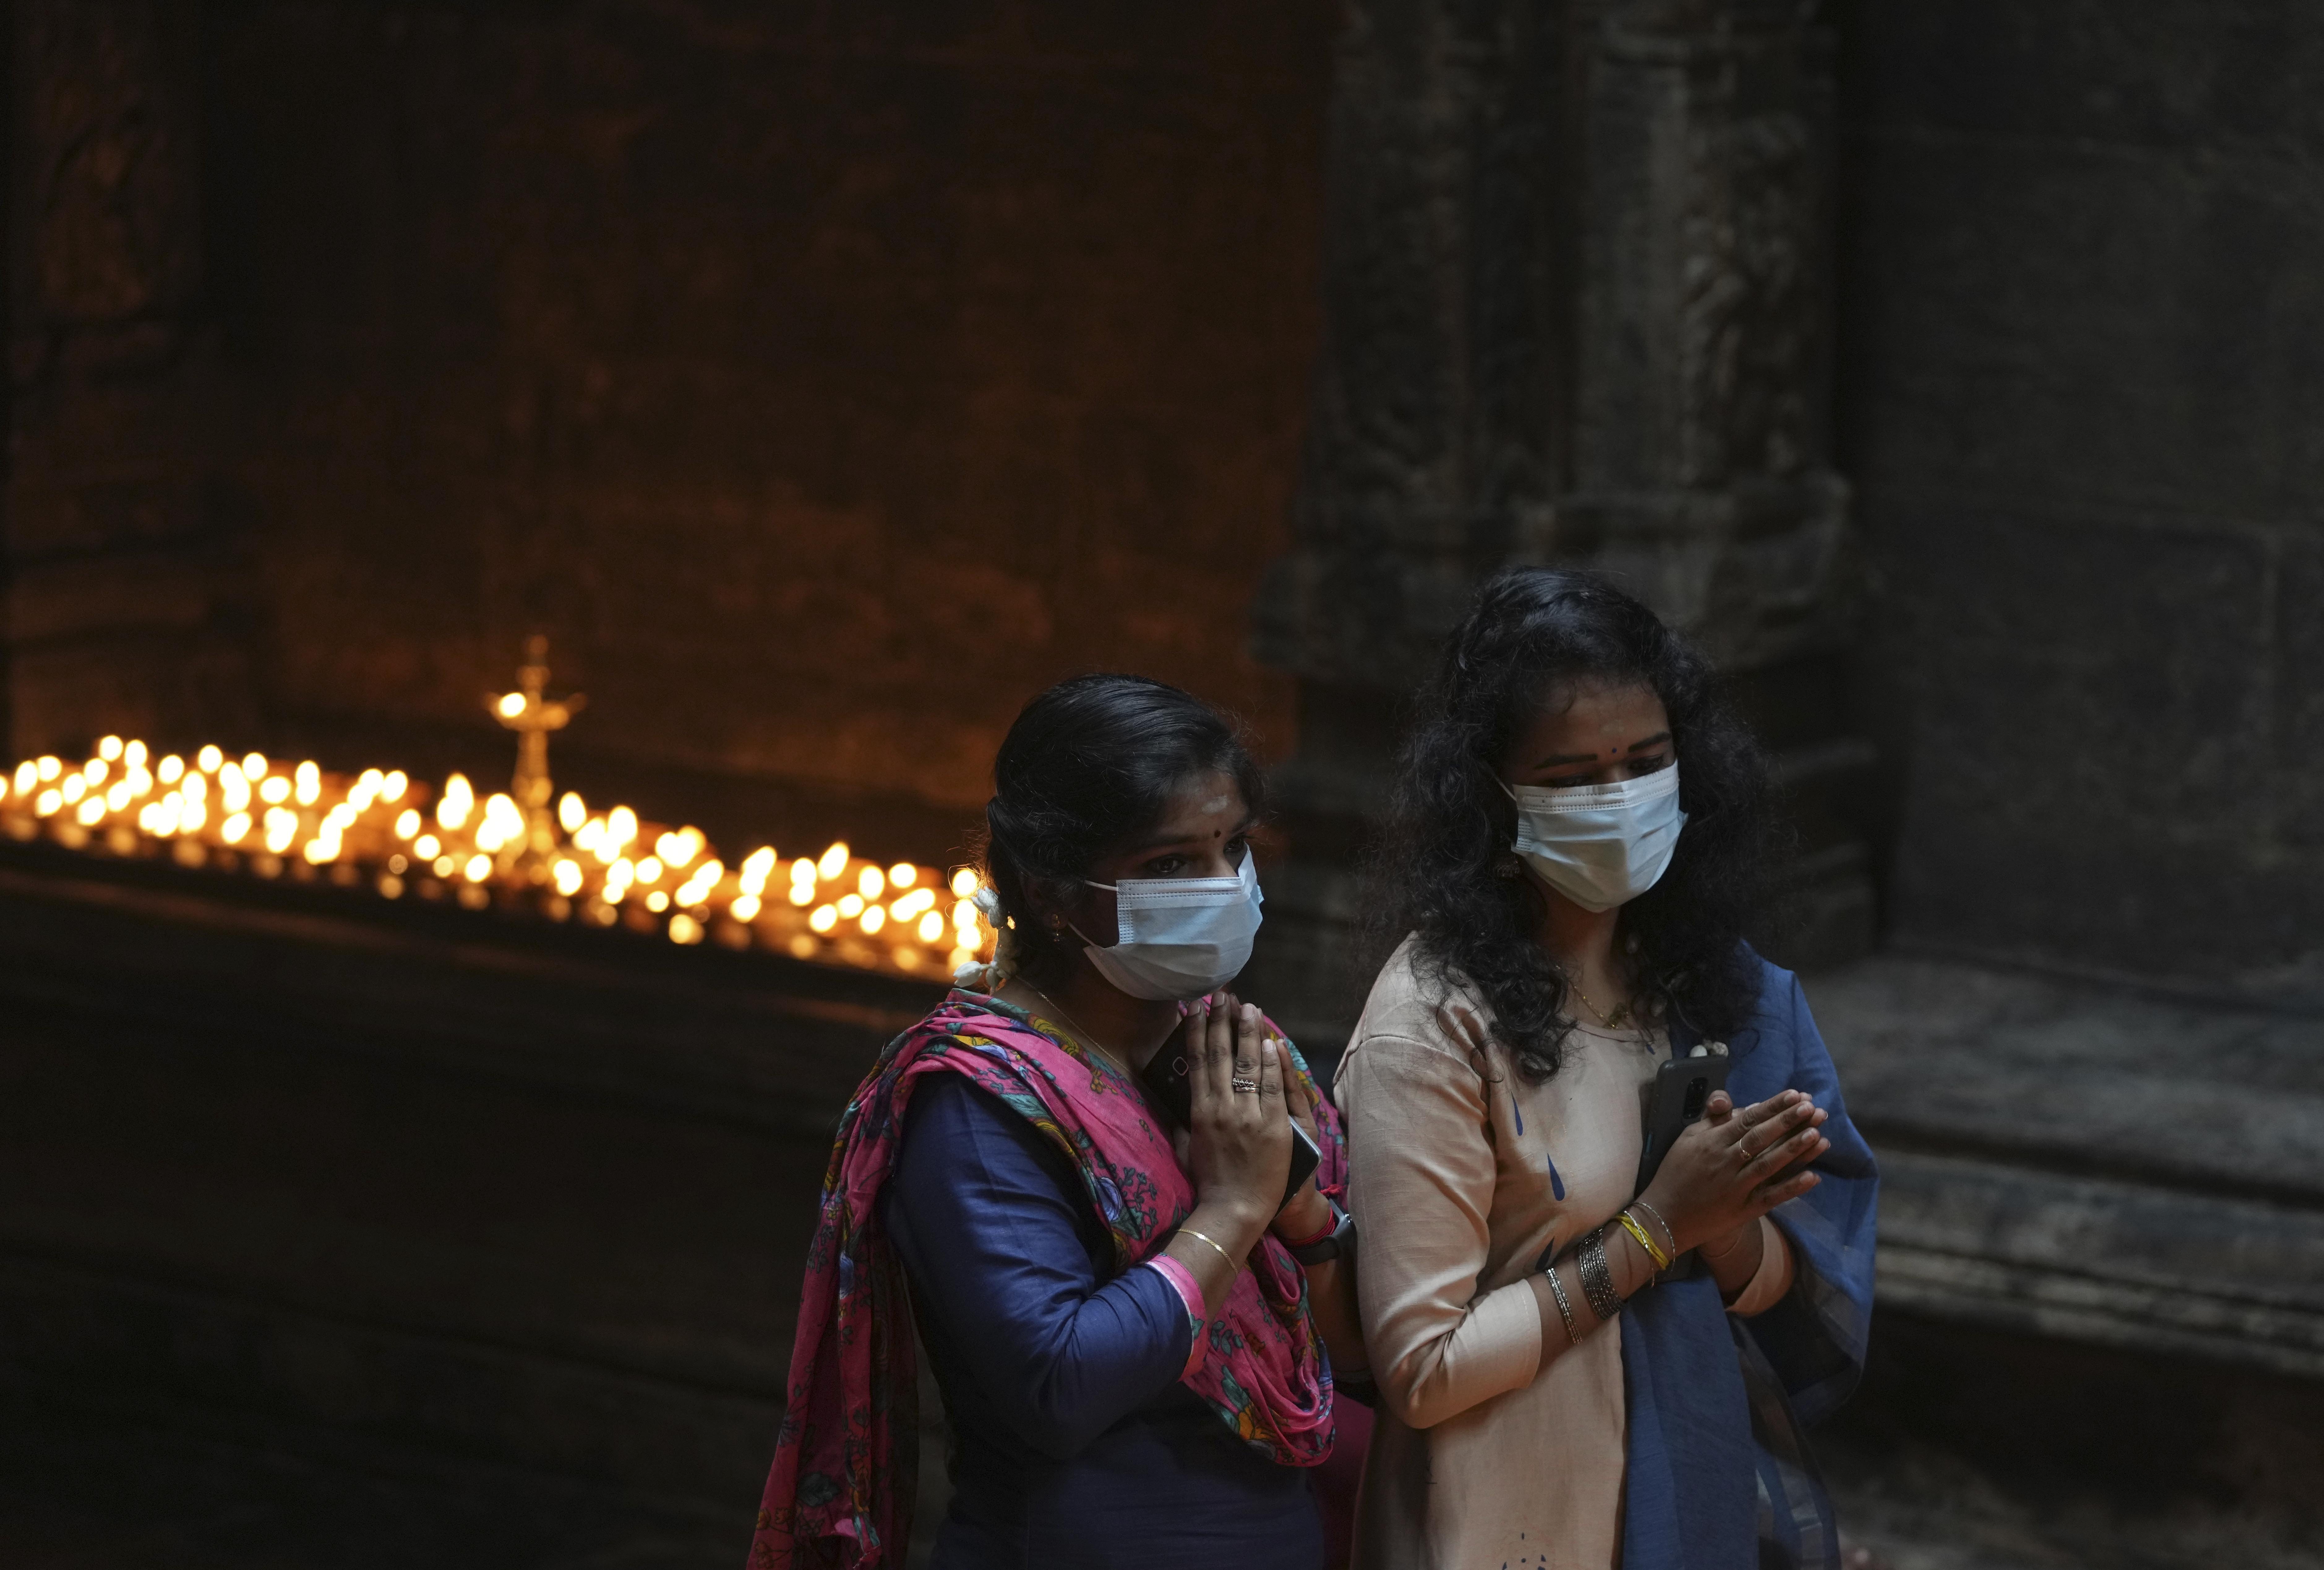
{"points": [[257, 814]]}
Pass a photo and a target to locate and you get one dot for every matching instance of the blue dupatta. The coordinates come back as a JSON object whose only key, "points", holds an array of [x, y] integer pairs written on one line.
{"points": [[1721, 1476]]}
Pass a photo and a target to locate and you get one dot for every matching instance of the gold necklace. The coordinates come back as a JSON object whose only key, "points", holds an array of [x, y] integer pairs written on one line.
{"points": [[1612, 1022], [1081, 1032]]}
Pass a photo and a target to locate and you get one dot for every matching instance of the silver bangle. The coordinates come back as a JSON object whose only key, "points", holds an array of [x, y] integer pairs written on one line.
{"points": [[1642, 1204], [1564, 1308], [1598, 1276]]}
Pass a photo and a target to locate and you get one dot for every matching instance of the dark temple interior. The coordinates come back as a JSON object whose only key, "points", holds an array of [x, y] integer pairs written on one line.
{"points": [[824, 381]]}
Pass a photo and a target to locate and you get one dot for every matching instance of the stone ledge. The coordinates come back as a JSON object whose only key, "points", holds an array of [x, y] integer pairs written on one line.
{"points": [[756, 1039], [2104, 1262], [2073, 1160]]}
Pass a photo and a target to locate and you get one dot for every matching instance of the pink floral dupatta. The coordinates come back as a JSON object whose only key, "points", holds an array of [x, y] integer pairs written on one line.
{"points": [[847, 1459]]}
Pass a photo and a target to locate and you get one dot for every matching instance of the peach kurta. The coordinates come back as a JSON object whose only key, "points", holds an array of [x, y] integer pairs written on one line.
{"points": [[1461, 1174]]}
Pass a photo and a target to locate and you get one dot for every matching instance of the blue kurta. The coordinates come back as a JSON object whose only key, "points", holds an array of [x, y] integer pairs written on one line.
{"points": [[1074, 1443]]}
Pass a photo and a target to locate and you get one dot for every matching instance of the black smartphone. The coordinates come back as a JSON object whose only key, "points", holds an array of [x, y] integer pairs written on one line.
{"points": [[1683, 1088], [1166, 1076]]}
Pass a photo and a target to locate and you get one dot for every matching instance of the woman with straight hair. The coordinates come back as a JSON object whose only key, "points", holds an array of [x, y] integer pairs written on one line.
{"points": [[1127, 1318], [1581, 1364]]}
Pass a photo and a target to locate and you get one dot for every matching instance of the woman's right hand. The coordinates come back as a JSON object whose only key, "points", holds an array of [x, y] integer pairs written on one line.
{"points": [[1240, 1147], [1723, 1173]]}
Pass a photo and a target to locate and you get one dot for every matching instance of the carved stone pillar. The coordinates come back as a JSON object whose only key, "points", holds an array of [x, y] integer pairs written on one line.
{"points": [[121, 605], [1579, 300]]}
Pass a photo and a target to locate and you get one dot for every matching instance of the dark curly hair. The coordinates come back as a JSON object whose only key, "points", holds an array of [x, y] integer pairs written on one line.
{"points": [[1441, 872], [1089, 765]]}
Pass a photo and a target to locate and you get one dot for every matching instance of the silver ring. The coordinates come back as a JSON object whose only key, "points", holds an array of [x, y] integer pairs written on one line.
{"points": [[1246, 1086]]}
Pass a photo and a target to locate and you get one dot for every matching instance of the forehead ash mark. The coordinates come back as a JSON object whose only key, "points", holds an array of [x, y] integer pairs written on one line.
{"points": [[1218, 803]]}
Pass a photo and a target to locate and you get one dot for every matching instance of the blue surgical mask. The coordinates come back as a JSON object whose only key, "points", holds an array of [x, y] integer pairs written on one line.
{"points": [[1601, 846], [1178, 938]]}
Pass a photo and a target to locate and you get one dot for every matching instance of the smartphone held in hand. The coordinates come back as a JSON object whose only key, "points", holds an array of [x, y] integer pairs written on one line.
{"points": [[1683, 1088]]}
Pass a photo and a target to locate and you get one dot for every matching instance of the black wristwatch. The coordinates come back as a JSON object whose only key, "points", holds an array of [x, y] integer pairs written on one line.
{"points": [[1340, 1240]]}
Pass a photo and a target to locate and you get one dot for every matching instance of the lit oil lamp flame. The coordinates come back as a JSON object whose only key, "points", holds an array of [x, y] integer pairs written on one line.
{"points": [[274, 818]]}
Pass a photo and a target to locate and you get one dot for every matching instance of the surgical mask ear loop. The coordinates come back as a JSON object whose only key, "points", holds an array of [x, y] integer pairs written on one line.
{"points": [[1074, 928]]}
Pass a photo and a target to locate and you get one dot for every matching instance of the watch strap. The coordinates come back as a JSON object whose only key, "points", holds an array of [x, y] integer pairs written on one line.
{"points": [[1340, 1240]]}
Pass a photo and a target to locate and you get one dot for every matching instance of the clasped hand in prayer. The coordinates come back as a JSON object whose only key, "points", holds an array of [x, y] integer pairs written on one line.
{"points": [[1238, 1146], [1729, 1168]]}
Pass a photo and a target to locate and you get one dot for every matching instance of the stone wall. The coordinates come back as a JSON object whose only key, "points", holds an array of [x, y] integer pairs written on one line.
{"points": [[124, 604], [513, 1212], [823, 380], [2082, 327], [1578, 307]]}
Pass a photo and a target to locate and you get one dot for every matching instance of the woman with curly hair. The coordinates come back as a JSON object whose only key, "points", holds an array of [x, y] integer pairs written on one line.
{"points": [[1133, 1324], [1574, 1372]]}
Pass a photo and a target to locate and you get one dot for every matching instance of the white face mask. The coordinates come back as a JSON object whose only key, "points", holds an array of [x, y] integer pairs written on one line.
{"points": [[1179, 937], [1601, 846]]}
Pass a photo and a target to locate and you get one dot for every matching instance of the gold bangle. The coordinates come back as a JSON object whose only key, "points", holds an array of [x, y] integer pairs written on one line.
{"points": [[1631, 1224], [1232, 1268]]}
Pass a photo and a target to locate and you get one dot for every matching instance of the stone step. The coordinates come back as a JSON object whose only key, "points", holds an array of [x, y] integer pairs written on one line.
{"points": [[2078, 1160]]}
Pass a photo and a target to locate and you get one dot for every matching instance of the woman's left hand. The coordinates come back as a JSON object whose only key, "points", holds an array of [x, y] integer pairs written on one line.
{"points": [[1306, 1212]]}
